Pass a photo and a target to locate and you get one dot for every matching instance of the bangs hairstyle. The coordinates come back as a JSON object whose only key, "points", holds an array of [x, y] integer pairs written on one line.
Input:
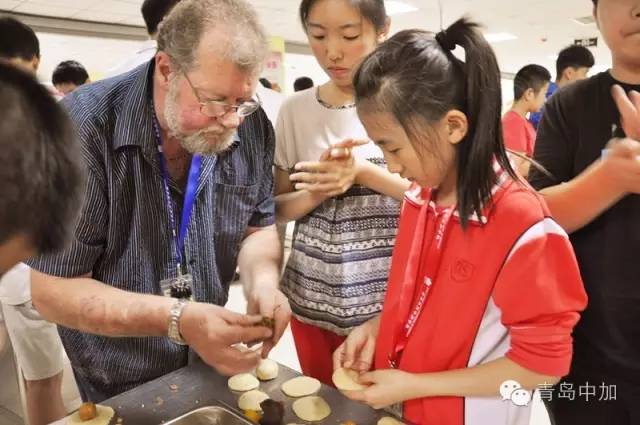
{"points": [[373, 11], [414, 78]]}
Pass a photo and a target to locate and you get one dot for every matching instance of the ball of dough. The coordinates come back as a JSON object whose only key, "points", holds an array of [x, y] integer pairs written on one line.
{"points": [[104, 414], [301, 386], [251, 400], [243, 382], [267, 370], [387, 420], [311, 409], [346, 380]]}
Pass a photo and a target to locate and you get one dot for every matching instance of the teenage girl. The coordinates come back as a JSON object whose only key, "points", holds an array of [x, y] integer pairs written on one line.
{"points": [[345, 205]]}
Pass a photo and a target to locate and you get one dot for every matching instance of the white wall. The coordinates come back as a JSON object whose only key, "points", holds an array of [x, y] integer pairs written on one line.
{"points": [[297, 65]]}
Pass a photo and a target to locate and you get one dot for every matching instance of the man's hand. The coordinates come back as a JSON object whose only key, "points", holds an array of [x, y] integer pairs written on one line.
{"points": [[212, 331], [268, 301], [629, 107]]}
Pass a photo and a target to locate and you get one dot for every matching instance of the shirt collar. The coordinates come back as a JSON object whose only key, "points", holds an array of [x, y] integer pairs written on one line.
{"points": [[420, 196], [134, 125]]}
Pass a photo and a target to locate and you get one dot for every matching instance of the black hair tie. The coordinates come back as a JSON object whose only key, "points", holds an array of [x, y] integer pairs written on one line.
{"points": [[445, 41]]}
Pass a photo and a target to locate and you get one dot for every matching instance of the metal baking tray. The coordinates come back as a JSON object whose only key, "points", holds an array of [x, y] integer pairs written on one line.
{"points": [[212, 415]]}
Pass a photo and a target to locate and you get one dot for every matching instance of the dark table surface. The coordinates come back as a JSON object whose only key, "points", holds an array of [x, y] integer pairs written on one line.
{"points": [[198, 385]]}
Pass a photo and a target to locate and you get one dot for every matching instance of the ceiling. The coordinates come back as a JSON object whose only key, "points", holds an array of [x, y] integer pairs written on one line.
{"points": [[542, 27]]}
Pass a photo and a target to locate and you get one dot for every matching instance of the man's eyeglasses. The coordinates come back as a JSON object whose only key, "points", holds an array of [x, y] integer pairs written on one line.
{"points": [[217, 108]]}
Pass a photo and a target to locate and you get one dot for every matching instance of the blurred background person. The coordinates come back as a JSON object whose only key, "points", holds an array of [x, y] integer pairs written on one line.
{"points": [[68, 76], [19, 45], [302, 83], [153, 12], [573, 64], [265, 83]]}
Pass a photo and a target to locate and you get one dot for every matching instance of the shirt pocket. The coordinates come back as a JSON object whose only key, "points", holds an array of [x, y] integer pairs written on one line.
{"points": [[235, 204]]}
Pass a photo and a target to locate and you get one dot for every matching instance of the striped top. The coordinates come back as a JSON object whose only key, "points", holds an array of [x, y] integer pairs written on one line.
{"points": [[336, 276], [123, 236]]}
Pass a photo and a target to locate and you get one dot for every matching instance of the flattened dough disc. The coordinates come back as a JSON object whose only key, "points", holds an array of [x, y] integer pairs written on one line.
{"points": [[243, 382], [388, 420], [346, 380], [105, 414], [251, 400], [301, 386], [311, 409]]}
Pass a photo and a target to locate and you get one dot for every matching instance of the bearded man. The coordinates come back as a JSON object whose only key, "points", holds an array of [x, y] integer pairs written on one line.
{"points": [[179, 191]]}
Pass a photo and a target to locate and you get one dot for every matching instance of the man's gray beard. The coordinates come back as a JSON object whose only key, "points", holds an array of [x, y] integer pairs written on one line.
{"points": [[196, 143]]}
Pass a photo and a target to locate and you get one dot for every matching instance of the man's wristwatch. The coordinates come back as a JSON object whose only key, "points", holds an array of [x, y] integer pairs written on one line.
{"points": [[174, 322]]}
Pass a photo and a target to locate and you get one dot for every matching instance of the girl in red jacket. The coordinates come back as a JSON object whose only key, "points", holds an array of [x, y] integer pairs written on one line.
{"points": [[484, 288]]}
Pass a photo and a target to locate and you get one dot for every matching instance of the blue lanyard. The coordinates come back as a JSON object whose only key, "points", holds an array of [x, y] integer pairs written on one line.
{"points": [[189, 198]]}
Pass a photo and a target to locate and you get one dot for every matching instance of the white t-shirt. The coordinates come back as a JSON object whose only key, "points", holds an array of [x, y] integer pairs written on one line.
{"points": [[271, 102], [144, 54], [15, 286], [306, 128]]}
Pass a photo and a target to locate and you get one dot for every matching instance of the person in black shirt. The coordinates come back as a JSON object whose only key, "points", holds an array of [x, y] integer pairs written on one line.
{"points": [[593, 191]]}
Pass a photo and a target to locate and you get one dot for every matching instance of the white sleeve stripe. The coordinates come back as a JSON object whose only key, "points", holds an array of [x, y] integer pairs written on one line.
{"points": [[546, 226]]}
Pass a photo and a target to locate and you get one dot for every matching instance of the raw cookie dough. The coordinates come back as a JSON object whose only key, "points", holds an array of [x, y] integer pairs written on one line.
{"points": [[243, 382], [301, 386], [388, 420], [251, 400], [346, 380], [311, 409], [105, 414], [267, 370]]}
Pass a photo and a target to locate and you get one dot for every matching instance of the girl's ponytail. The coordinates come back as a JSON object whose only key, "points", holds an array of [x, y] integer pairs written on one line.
{"points": [[483, 107]]}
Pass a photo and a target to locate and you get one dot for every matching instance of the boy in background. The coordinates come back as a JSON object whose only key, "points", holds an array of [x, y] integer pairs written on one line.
{"points": [[529, 90], [68, 76], [573, 64]]}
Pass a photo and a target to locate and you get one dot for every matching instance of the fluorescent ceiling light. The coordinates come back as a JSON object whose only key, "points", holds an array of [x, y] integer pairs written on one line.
{"points": [[397, 7], [585, 20], [499, 36]]}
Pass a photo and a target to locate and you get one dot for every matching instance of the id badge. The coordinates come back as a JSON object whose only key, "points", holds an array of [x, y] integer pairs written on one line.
{"points": [[178, 287]]}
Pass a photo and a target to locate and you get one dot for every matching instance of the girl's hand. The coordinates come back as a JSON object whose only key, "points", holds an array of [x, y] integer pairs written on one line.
{"points": [[629, 107], [342, 150], [331, 178], [357, 351], [333, 174], [386, 387]]}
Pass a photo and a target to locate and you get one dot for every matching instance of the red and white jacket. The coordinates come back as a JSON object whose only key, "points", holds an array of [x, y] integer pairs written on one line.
{"points": [[508, 285]]}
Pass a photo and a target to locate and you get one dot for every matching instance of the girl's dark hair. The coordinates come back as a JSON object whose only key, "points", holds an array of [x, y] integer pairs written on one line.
{"points": [[415, 77], [372, 10], [42, 177]]}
